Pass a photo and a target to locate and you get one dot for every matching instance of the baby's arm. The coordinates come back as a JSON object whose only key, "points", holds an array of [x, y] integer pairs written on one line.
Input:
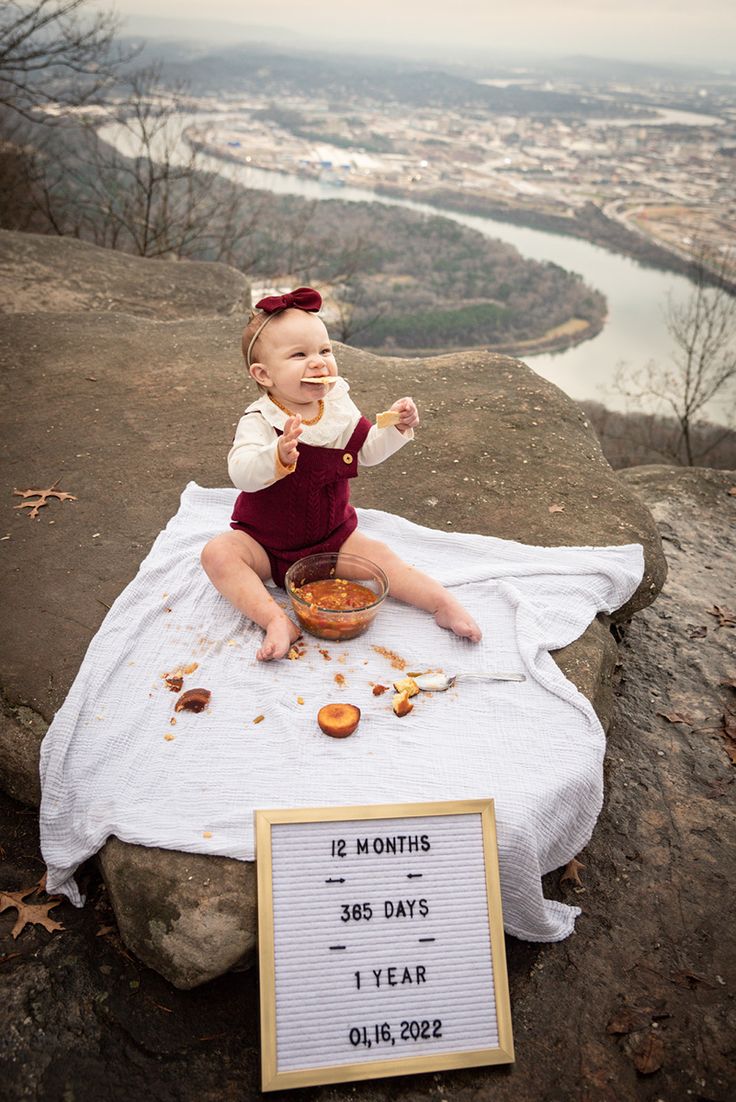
{"points": [[258, 458]]}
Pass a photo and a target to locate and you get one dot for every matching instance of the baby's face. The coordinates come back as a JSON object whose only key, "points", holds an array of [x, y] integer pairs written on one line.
{"points": [[293, 347]]}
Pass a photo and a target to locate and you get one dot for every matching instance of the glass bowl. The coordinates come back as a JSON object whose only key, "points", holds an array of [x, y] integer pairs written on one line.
{"points": [[354, 611]]}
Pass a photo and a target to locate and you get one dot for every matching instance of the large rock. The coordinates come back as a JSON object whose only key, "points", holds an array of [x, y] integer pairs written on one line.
{"points": [[61, 274], [188, 915], [124, 411]]}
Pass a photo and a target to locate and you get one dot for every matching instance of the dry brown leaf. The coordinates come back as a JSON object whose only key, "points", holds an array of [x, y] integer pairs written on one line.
{"points": [[731, 750], [104, 931], [29, 913], [676, 717], [724, 616], [685, 978], [556, 508], [649, 1054], [629, 1019], [728, 730], [572, 872], [43, 498], [728, 721]]}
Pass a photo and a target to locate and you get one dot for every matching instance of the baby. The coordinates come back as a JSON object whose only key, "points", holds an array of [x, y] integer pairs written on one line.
{"points": [[295, 449]]}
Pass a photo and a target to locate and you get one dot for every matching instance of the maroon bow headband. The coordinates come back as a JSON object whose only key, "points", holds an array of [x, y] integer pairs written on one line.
{"points": [[303, 298]]}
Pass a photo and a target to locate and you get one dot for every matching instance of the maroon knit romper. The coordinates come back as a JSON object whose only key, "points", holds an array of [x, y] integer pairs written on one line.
{"points": [[308, 510]]}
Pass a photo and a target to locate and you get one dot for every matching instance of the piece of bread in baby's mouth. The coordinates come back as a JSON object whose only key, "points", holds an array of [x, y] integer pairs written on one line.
{"points": [[388, 417]]}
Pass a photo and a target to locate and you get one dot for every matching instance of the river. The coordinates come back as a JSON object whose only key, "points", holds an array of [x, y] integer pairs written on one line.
{"points": [[635, 332]]}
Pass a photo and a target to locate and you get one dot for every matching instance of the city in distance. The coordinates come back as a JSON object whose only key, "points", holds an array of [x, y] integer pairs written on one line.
{"points": [[635, 159]]}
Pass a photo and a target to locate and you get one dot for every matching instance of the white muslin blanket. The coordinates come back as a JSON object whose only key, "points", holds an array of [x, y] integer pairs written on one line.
{"points": [[108, 767]]}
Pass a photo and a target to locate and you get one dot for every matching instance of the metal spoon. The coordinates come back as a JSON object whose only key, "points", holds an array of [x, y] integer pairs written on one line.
{"points": [[440, 682]]}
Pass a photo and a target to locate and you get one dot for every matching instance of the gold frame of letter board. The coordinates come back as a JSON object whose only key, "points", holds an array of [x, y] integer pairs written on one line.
{"points": [[271, 1078]]}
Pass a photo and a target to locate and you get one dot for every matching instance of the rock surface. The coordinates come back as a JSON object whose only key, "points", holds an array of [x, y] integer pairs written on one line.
{"points": [[60, 275], [649, 969], [188, 915], [124, 411]]}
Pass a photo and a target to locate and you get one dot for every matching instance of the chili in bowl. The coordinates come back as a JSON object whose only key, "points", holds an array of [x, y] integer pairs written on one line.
{"points": [[336, 595]]}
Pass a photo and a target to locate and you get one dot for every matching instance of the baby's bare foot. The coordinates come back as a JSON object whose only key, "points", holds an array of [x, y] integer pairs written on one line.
{"points": [[281, 632], [453, 616]]}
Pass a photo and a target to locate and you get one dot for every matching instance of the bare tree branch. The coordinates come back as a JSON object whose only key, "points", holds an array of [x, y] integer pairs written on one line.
{"points": [[703, 330], [54, 52]]}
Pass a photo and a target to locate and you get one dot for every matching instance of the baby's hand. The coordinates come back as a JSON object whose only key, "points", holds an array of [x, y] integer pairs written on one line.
{"points": [[288, 451], [409, 415]]}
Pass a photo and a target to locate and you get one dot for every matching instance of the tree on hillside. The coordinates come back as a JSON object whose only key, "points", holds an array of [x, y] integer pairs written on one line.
{"points": [[703, 364], [153, 197], [53, 52]]}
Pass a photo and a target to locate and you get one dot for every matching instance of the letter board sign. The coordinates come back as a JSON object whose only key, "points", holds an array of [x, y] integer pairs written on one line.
{"points": [[380, 942]]}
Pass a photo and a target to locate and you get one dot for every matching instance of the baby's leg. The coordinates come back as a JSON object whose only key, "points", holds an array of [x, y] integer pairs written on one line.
{"points": [[415, 588], [237, 566]]}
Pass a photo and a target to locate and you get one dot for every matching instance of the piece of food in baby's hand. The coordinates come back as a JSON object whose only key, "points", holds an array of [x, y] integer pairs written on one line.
{"points": [[193, 700], [338, 720], [388, 417]]}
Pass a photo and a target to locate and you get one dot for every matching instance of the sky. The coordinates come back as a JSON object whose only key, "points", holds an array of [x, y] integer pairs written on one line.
{"points": [[687, 31]]}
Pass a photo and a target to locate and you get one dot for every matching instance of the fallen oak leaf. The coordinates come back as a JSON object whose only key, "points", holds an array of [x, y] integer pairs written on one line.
{"points": [[43, 498], [723, 615], [632, 1019], [731, 751], [629, 1019], [649, 1054], [29, 914], [685, 978], [572, 872], [675, 717], [728, 722], [41, 887]]}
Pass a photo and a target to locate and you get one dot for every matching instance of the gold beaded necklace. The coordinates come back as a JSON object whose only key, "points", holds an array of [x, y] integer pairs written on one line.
{"points": [[290, 412]]}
